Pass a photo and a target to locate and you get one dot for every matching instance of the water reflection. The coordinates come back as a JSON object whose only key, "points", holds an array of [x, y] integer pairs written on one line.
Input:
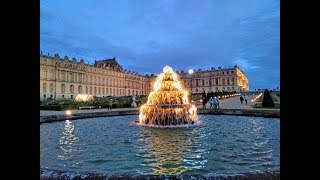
{"points": [[165, 150], [68, 141], [220, 144]]}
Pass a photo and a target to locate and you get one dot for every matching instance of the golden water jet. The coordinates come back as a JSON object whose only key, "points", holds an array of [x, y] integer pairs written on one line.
{"points": [[168, 103]]}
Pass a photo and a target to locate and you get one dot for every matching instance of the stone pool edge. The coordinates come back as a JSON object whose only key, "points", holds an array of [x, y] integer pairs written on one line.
{"points": [[235, 112], [46, 174]]}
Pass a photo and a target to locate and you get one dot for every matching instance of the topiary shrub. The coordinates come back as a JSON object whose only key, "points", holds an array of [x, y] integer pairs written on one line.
{"points": [[267, 99]]}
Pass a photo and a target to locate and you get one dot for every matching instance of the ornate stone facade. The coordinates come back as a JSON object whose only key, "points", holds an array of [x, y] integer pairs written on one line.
{"points": [[213, 80], [227, 79], [64, 78]]}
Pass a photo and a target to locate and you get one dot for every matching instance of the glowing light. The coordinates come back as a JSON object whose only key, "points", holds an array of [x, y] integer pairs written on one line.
{"points": [[68, 113], [84, 97], [190, 71], [258, 96], [168, 103]]}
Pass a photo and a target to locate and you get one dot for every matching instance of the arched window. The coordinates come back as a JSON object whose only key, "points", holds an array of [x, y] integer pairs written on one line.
{"points": [[86, 89], [44, 87], [90, 89], [79, 89], [103, 91], [99, 90], [95, 90], [71, 88], [51, 87], [63, 88]]}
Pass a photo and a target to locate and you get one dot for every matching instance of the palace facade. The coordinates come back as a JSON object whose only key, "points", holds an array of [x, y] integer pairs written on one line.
{"points": [[227, 79], [64, 78], [214, 80]]}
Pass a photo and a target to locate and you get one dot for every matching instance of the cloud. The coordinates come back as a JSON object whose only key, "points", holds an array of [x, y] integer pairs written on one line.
{"points": [[148, 35]]}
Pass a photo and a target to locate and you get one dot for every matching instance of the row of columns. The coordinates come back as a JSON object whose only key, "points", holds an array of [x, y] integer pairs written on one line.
{"points": [[79, 77]]}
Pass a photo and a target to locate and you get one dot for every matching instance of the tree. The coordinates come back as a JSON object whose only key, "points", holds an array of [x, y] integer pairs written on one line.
{"points": [[267, 99], [208, 95], [204, 94]]}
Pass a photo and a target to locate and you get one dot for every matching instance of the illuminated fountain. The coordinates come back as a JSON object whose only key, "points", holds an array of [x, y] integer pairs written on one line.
{"points": [[84, 97], [168, 103]]}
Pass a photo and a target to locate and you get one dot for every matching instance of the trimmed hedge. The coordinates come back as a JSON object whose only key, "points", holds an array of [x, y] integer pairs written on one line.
{"points": [[118, 102]]}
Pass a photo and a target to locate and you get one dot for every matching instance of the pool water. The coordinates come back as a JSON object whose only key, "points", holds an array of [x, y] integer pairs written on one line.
{"points": [[218, 144]]}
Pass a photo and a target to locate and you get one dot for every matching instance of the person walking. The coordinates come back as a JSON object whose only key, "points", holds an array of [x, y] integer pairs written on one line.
{"points": [[204, 102], [214, 102], [110, 104], [241, 99], [245, 97], [210, 101], [218, 102]]}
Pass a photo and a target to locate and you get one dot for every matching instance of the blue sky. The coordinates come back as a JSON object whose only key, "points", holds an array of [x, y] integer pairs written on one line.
{"points": [[146, 35]]}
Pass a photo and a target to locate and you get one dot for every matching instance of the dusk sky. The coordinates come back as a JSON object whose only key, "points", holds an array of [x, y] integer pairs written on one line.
{"points": [[146, 35]]}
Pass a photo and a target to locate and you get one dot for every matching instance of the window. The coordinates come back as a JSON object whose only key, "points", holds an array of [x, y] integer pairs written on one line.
{"points": [[63, 88], [51, 87], [44, 87], [71, 96], [44, 96], [71, 89], [79, 89]]}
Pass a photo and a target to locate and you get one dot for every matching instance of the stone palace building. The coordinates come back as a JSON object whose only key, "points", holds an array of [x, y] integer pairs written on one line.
{"points": [[64, 78]]}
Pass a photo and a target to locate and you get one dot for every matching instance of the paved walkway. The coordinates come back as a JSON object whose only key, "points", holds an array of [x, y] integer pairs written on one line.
{"points": [[234, 103], [276, 97]]}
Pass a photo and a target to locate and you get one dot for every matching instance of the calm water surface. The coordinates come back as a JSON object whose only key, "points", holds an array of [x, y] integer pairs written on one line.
{"points": [[116, 145]]}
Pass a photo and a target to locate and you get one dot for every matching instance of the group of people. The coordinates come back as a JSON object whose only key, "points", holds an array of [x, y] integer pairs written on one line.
{"points": [[214, 102], [244, 98]]}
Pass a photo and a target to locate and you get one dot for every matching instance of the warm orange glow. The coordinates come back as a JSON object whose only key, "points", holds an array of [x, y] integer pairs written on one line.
{"points": [[68, 112], [168, 103], [84, 97]]}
